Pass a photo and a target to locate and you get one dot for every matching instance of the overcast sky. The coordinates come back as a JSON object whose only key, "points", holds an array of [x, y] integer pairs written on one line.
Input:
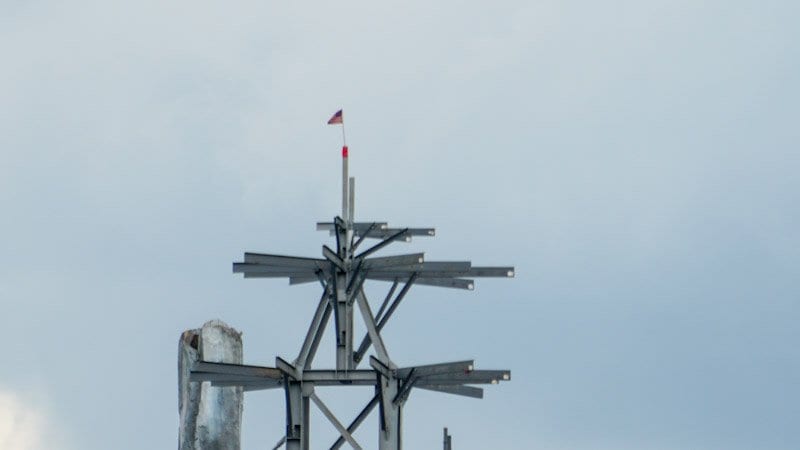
{"points": [[637, 161]]}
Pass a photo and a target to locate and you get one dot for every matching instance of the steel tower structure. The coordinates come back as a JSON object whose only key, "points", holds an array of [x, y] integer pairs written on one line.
{"points": [[342, 273]]}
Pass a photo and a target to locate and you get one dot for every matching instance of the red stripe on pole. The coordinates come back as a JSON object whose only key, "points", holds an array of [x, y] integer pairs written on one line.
{"points": [[344, 151]]}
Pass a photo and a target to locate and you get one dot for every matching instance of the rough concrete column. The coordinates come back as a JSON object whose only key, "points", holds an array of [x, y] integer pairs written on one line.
{"points": [[210, 417]]}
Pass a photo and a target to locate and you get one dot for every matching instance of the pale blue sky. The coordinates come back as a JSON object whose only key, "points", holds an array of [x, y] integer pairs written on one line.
{"points": [[636, 161]]}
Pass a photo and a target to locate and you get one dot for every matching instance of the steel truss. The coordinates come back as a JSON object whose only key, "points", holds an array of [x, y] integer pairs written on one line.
{"points": [[342, 273]]}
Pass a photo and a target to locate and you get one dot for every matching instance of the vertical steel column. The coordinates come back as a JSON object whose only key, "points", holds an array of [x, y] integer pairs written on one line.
{"points": [[344, 316], [389, 436], [344, 309], [295, 431], [307, 390]]}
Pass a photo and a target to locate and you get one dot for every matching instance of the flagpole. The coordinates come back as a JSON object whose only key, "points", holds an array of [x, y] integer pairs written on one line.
{"points": [[338, 119], [345, 193]]}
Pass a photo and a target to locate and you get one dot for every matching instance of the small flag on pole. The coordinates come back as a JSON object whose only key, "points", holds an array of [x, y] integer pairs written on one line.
{"points": [[337, 118]]}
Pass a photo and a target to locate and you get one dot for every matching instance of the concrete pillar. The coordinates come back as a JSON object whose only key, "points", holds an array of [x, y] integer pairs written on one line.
{"points": [[210, 417]]}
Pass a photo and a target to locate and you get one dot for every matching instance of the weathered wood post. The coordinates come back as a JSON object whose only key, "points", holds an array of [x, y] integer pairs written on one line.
{"points": [[210, 417]]}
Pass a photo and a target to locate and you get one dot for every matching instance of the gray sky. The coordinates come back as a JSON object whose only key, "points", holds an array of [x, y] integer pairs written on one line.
{"points": [[636, 161]]}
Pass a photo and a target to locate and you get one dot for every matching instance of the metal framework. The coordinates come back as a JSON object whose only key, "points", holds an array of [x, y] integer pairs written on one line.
{"points": [[342, 273]]}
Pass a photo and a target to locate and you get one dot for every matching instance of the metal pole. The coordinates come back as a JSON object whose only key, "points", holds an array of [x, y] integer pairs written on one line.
{"points": [[294, 415], [351, 206], [389, 436], [306, 441], [343, 310], [345, 195]]}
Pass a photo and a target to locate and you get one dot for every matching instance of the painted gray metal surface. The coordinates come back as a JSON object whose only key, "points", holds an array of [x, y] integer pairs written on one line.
{"points": [[342, 272], [333, 420]]}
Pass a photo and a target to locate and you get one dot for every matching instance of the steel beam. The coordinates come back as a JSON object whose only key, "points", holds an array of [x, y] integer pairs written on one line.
{"points": [[331, 377], [405, 388], [389, 437], [464, 391], [437, 369], [343, 315], [384, 262], [333, 257], [303, 361], [372, 330], [280, 443], [358, 227], [456, 267], [444, 270], [261, 385], [387, 232], [357, 279], [293, 274], [333, 420], [357, 421], [455, 283], [362, 237], [236, 369], [495, 272], [294, 415], [288, 368], [284, 261], [383, 243], [277, 271], [386, 300], [473, 377], [400, 296], [366, 341], [381, 368], [351, 203], [318, 336], [233, 380], [302, 279]]}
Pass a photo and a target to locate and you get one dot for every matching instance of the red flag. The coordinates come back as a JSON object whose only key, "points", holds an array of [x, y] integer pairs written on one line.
{"points": [[337, 118]]}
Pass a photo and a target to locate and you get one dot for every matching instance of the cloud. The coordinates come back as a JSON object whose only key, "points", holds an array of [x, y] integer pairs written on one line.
{"points": [[23, 425]]}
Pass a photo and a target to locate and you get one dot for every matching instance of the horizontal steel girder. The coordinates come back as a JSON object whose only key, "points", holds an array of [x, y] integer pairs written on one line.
{"points": [[236, 370], [436, 369], [285, 261], [358, 227], [465, 391], [390, 262], [383, 268], [433, 272], [437, 376], [455, 283], [377, 230], [473, 377]]}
